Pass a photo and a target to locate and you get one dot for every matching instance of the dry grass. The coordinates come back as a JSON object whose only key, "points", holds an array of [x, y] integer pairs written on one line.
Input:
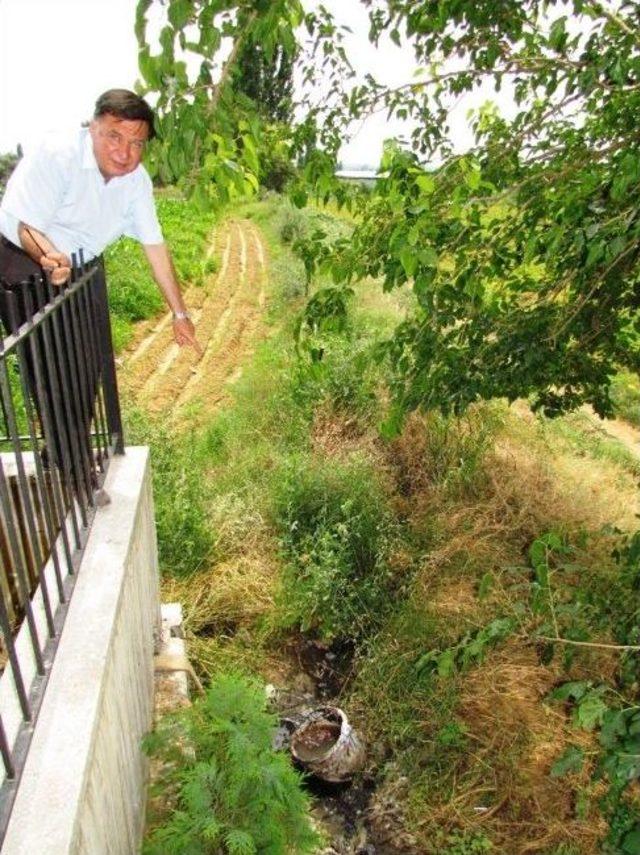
{"points": [[516, 738], [232, 593], [503, 787], [338, 437], [222, 607], [530, 483]]}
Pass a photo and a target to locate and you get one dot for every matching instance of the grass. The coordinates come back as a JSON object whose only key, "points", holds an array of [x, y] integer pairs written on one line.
{"points": [[587, 438], [625, 392], [299, 518], [186, 539]]}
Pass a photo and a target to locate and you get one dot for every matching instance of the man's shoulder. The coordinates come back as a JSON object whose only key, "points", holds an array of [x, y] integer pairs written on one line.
{"points": [[62, 147]]}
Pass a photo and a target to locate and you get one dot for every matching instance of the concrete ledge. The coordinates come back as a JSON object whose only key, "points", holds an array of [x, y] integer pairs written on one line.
{"points": [[83, 786]]}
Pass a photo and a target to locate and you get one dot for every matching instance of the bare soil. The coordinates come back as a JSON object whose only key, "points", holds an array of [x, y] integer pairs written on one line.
{"points": [[227, 313]]}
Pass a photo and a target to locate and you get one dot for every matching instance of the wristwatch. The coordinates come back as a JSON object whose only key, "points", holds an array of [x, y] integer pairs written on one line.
{"points": [[181, 316]]}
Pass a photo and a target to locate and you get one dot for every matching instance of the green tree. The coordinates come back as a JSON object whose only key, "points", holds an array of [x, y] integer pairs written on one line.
{"points": [[209, 129], [522, 253], [267, 80]]}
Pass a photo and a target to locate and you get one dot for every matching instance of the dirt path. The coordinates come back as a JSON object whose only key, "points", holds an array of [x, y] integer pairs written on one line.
{"points": [[227, 313], [618, 429]]}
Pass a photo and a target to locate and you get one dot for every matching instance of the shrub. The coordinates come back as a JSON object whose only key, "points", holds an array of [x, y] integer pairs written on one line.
{"points": [[625, 393], [8, 163], [292, 225], [336, 533], [235, 794]]}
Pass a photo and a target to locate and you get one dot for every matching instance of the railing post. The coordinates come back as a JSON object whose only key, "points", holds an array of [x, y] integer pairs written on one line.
{"points": [[108, 368]]}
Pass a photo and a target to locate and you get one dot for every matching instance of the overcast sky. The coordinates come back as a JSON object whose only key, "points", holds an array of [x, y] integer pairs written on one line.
{"points": [[56, 56]]}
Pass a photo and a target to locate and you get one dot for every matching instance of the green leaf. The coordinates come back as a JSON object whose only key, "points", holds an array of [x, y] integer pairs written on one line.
{"points": [[428, 661], [180, 13], [571, 761], [240, 843], [538, 553], [473, 178], [447, 663], [558, 34], [428, 256], [485, 586], [613, 726], [409, 261], [573, 690], [149, 68], [631, 841], [426, 183], [141, 20], [590, 710]]}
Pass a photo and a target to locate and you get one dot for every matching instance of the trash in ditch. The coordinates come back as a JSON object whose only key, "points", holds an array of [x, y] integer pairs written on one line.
{"points": [[327, 746]]}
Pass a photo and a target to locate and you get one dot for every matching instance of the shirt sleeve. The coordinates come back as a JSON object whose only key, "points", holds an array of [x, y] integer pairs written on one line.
{"points": [[142, 222], [35, 190]]}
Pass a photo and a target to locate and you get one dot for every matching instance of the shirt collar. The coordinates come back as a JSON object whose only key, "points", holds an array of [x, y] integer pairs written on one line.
{"points": [[88, 157]]}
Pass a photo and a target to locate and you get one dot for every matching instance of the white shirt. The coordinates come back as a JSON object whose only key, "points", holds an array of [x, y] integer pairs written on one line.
{"points": [[59, 190]]}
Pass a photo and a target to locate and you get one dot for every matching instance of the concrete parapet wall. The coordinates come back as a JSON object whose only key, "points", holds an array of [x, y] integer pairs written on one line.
{"points": [[82, 791]]}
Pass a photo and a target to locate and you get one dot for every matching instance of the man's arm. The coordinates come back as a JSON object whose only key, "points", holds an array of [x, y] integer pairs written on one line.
{"points": [[164, 273]]}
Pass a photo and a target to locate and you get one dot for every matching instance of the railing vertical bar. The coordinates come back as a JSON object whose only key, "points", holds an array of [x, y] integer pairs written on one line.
{"points": [[60, 499], [89, 384], [74, 366], [9, 768], [109, 379], [101, 419], [41, 484], [5, 502], [89, 347], [62, 445]]}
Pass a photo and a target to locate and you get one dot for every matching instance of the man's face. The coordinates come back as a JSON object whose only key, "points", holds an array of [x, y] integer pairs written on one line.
{"points": [[118, 144]]}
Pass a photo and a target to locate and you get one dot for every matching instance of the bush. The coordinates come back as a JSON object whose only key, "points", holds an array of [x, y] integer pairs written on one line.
{"points": [[625, 392], [346, 377], [8, 163], [292, 225], [336, 533], [235, 794]]}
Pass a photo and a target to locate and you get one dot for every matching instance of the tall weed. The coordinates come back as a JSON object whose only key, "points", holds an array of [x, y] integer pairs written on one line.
{"points": [[336, 534], [235, 794], [185, 536]]}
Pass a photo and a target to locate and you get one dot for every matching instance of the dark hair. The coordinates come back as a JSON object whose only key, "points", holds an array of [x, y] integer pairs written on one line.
{"points": [[124, 104]]}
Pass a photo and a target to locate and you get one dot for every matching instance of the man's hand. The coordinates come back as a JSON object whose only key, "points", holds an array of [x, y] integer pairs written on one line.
{"points": [[58, 264], [184, 333], [38, 246]]}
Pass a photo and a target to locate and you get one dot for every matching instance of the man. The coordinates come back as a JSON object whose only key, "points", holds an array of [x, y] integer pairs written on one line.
{"points": [[84, 192], [80, 192]]}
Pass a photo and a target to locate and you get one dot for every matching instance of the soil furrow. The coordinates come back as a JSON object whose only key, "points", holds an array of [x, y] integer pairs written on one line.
{"points": [[163, 377]]}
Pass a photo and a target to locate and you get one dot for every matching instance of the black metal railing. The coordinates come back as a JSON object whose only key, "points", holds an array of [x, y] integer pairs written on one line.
{"points": [[59, 427]]}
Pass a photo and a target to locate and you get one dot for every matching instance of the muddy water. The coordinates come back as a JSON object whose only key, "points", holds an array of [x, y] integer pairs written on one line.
{"points": [[318, 739]]}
